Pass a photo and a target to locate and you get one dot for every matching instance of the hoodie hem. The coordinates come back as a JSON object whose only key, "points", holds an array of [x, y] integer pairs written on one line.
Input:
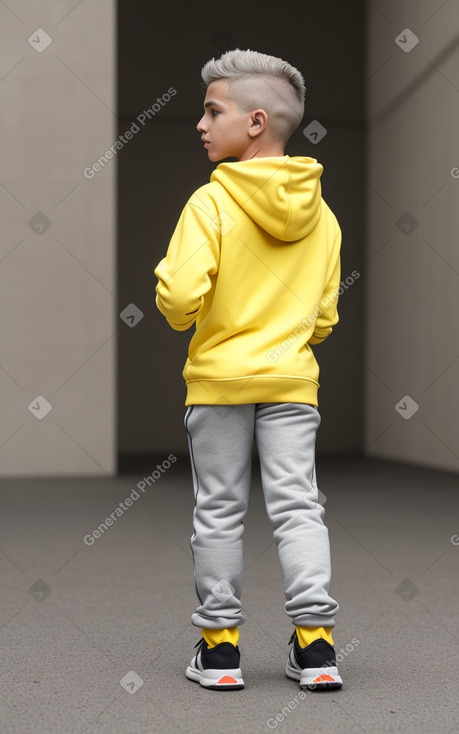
{"points": [[243, 390]]}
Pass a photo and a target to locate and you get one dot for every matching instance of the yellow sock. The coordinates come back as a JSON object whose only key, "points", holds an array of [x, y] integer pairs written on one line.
{"points": [[214, 637], [306, 635]]}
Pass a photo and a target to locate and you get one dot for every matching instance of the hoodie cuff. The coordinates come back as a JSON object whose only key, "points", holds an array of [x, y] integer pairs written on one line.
{"points": [[181, 327], [319, 336]]}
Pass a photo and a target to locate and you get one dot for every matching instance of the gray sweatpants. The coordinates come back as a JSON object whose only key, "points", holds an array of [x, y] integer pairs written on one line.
{"points": [[220, 439]]}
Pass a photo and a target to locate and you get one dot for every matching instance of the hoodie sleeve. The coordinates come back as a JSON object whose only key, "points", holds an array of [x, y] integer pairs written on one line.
{"points": [[184, 275], [327, 307]]}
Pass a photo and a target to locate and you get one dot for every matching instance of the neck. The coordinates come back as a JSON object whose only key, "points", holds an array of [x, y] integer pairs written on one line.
{"points": [[262, 150]]}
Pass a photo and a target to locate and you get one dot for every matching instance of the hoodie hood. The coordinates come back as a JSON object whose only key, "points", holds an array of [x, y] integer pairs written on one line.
{"points": [[282, 195]]}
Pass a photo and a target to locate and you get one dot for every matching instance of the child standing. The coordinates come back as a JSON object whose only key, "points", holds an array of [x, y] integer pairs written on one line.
{"points": [[254, 262]]}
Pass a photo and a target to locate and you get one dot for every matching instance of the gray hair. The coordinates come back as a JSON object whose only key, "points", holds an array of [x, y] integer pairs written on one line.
{"points": [[257, 80]]}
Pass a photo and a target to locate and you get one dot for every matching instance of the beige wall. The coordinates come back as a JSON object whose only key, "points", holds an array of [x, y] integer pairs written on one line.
{"points": [[412, 280], [58, 317], [57, 275]]}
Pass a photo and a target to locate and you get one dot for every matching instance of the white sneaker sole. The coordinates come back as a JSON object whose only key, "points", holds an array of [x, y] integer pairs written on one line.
{"points": [[215, 679], [315, 679]]}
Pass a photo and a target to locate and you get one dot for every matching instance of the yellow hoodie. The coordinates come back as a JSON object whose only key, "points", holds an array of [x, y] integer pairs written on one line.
{"points": [[255, 262]]}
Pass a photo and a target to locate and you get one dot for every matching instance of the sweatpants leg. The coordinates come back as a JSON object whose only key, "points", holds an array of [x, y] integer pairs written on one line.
{"points": [[220, 439], [285, 434]]}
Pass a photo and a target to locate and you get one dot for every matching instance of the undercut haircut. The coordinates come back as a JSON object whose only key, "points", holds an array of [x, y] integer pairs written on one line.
{"points": [[259, 81]]}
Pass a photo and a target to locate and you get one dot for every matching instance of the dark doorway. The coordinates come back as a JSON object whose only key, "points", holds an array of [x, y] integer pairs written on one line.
{"points": [[160, 54]]}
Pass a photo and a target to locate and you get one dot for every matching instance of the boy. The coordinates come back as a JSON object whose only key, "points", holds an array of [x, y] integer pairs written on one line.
{"points": [[254, 262]]}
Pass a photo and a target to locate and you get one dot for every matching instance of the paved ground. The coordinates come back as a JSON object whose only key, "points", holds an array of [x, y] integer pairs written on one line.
{"points": [[76, 619]]}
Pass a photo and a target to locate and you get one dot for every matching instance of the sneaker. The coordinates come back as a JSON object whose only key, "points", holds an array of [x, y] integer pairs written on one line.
{"points": [[313, 666], [217, 668]]}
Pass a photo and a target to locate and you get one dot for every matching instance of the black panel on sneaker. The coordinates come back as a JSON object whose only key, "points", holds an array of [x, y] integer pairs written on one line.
{"points": [[318, 654], [222, 656]]}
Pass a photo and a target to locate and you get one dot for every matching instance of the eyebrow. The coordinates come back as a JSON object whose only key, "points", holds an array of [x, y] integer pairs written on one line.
{"points": [[210, 103]]}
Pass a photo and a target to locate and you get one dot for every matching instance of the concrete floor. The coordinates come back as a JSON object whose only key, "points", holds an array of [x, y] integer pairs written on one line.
{"points": [[78, 619]]}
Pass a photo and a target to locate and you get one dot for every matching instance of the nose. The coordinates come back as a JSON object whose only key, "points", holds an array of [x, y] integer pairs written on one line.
{"points": [[200, 127]]}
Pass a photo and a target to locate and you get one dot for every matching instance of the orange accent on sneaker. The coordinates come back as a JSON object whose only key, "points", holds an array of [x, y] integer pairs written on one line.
{"points": [[321, 678], [229, 679]]}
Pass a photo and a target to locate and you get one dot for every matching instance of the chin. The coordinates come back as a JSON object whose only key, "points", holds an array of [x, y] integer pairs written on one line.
{"points": [[214, 157]]}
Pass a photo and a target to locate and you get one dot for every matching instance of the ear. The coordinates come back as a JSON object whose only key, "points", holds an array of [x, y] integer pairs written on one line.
{"points": [[258, 122]]}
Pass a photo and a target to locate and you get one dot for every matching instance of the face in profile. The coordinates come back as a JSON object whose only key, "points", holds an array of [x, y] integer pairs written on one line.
{"points": [[223, 128]]}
